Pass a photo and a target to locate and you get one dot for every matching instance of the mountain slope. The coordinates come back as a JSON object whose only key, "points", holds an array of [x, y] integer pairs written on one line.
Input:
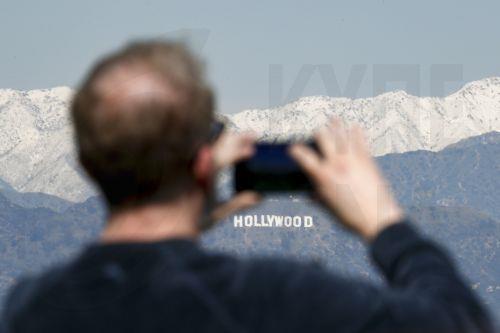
{"points": [[466, 174], [37, 154]]}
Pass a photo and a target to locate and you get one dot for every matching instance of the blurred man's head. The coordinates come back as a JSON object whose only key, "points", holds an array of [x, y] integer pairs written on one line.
{"points": [[141, 117]]}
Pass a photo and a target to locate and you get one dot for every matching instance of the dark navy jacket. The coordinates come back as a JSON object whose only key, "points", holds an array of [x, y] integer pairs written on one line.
{"points": [[176, 286]]}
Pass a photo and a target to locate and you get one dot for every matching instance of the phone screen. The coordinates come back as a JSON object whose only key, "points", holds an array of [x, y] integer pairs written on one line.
{"points": [[270, 169]]}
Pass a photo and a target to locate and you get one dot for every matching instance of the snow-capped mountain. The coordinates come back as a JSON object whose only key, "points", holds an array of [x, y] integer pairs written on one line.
{"points": [[36, 146], [37, 153], [395, 121]]}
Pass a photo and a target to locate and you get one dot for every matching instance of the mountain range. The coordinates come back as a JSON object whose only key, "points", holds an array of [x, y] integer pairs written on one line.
{"points": [[37, 152]]}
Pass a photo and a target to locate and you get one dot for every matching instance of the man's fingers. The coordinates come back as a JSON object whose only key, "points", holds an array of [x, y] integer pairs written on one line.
{"points": [[245, 146], [233, 147], [359, 139], [239, 202], [307, 159], [325, 141], [339, 135]]}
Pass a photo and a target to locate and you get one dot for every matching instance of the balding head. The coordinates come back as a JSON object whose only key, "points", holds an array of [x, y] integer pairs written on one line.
{"points": [[140, 118]]}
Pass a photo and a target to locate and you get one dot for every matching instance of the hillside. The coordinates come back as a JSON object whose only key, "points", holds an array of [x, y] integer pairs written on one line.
{"points": [[465, 174]]}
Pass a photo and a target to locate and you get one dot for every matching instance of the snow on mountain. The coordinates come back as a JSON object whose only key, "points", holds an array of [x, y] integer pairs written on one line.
{"points": [[37, 153], [36, 147], [395, 121]]}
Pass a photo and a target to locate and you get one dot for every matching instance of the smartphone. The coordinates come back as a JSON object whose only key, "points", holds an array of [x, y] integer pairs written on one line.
{"points": [[271, 169]]}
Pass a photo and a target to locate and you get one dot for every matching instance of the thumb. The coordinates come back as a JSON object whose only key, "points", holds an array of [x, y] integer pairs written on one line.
{"points": [[307, 159]]}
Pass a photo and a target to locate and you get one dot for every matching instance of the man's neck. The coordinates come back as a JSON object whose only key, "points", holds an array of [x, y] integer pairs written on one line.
{"points": [[156, 222]]}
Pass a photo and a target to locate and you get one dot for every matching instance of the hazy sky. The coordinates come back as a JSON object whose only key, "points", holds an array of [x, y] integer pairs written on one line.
{"points": [[52, 43]]}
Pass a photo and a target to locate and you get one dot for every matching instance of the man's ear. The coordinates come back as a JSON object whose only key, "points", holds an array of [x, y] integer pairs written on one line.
{"points": [[203, 168]]}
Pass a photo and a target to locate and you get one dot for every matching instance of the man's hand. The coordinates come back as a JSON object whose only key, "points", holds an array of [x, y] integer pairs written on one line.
{"points": [[228, 149], [348, 180], [232, 147]]}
